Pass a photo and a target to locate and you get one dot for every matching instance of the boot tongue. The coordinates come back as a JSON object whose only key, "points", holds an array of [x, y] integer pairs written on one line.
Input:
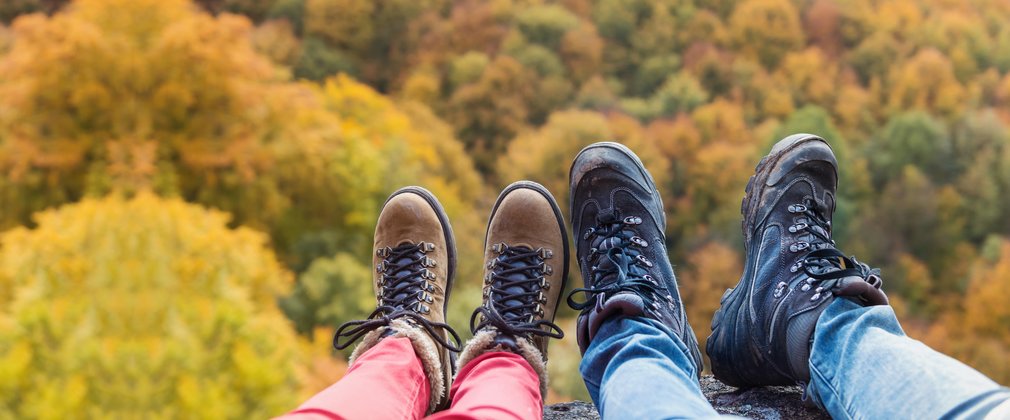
{"points": [[516, 289], [402, 289], [607, 217]]}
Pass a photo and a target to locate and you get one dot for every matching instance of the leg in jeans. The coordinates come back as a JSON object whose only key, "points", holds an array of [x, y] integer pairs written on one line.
{"points": [[386, 382], [640, 355], [636, 368], [863, 366], [495, 385]]}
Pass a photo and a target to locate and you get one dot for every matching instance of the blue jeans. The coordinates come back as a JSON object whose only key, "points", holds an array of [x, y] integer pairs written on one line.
{"points": [[862, 366]]}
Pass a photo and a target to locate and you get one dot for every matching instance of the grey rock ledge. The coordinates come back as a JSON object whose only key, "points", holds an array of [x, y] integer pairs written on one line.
{"points": [[770, 403]]}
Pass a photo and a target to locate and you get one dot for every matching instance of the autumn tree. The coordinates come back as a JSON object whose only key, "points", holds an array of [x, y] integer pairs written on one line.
{"points": [[491, 110], [142, 307], [766, 29]]}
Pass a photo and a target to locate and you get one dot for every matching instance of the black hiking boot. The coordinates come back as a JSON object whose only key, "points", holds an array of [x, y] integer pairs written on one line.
{"points": [[763, 332], [618, 223]]}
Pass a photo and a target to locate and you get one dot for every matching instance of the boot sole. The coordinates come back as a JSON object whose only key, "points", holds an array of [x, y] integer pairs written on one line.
{"points": [[731, 299], [530, 185]]}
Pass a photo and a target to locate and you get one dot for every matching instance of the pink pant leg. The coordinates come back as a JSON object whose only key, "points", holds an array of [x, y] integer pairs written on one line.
{"points": [[496, 385], [386, 382]]}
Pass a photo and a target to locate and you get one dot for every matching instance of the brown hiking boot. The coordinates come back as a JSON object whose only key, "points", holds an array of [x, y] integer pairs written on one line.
{"points": [[526, 266], [414, 259]]}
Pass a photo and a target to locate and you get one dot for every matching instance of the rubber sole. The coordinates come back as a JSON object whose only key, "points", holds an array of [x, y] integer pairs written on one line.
{"points": [[530, 185]]}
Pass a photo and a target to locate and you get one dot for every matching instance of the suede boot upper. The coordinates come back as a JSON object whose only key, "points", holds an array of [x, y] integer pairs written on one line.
{"points": [[414, 262]]}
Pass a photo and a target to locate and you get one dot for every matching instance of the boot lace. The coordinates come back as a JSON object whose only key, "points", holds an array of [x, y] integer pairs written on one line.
{"points": [[404, 292], [617, 264], [514, 293], [823, 264]]}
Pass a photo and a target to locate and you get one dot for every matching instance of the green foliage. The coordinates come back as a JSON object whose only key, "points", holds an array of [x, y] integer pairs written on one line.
{"points": [[318, 61], [545, 25], [467, 68], [915, 139], [652, 73], [143, 307], [680, 93], [539, 59], [291, 10], [329, 292]]}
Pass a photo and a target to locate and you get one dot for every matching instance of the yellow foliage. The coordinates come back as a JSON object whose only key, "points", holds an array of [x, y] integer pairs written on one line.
{"points": [[766, 29], [142, 308], [926, 81], [979, 335]]}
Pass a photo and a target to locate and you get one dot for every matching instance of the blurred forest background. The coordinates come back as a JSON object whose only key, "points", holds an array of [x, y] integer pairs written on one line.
{"points": [[189, 189]]}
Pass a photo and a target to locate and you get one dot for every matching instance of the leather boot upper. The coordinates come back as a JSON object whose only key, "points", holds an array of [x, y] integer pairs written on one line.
{"points": [[618, 224], [763, 331], [414, 260]]}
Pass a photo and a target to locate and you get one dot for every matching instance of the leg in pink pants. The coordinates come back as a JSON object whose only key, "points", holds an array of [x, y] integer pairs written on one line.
{"points": [[388, 382]]}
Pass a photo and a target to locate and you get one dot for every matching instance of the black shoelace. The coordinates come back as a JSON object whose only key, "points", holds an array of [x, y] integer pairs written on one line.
{"points": [[617, 264], [514, 293], [405, 293], [823, 264]]}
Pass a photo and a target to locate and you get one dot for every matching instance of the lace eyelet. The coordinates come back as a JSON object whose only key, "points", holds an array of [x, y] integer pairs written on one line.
{"points": [[650, 279], [644, 260], [632, 220], [780, 289], [799, 246], [797, 208], [380, 267], [546, 269], [639, 241], [798, 227], [545, 253], [796, 267]]}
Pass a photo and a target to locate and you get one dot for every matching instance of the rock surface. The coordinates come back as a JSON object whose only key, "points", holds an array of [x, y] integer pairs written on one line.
{"points": [[771, 403]]}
